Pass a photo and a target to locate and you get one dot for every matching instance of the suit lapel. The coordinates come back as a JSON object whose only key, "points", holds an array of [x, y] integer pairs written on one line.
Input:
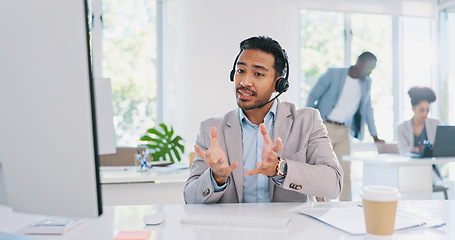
{"points": [[233, 140], [282, 127]]}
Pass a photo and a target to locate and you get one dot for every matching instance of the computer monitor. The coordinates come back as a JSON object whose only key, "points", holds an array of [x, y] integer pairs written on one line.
{"points": [[444, 141], [48, 140]]}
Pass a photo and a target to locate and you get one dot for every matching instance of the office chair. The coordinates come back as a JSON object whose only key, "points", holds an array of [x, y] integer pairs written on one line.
{"points": [[384, 148], [389, 148], [192, 157]]}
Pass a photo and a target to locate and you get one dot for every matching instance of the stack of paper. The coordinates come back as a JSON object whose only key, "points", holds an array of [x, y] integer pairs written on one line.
{"points": [[351, 219]]}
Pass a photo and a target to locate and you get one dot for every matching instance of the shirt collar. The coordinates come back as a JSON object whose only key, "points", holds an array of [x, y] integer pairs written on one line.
{"points": [[271, 112]]}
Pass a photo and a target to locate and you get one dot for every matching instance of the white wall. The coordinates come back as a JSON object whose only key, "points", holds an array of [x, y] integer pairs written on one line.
{"points": [[201, 41]]}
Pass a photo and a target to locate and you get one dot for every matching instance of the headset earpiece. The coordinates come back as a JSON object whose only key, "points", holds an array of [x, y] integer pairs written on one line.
{"points": [[281, 85], [232, 75]]}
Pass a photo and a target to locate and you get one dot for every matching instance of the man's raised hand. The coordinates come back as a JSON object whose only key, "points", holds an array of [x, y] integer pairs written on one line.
{"points": [[216, 159], [269, 155]]}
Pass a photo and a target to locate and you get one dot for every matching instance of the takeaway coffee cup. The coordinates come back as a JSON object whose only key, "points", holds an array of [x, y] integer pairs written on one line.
{"points": [[380, 207]]}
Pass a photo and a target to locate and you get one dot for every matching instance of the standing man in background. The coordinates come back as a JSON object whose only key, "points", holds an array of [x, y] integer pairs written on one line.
{"points": [[343, 97]]}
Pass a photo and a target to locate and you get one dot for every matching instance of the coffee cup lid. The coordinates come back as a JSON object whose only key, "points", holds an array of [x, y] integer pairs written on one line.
{"points": [[380, 193]]}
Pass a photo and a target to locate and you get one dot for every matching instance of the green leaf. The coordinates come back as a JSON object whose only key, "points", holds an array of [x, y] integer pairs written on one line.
{"points": [[146, 138], [155, 132], [157, 141], [163, 144], [181, 147], [170, 157], [178, 138], [171, 132], [164, 127], [176, 153], [156, 156], [149, 146]]}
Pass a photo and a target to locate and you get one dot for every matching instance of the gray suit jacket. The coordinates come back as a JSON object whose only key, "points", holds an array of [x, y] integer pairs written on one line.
{"points": [[325, 94], [313, 168], [405, 134]]}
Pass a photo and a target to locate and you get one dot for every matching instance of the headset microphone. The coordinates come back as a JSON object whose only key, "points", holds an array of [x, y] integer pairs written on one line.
{"points": [[281, 86], [273, 99]]}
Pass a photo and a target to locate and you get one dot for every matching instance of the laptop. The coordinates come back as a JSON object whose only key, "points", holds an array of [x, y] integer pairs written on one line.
{"points": [[444, 141]]}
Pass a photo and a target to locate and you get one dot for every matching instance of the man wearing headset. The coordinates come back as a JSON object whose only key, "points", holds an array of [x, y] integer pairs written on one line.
{"points": [[237, 161]]}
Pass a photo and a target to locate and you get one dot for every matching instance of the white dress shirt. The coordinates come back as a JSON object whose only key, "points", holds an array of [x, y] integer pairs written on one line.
{"points": [[349, 101]]}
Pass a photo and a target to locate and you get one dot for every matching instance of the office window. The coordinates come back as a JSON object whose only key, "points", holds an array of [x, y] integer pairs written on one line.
{"points": [[322, 46], [418, 50], [129, 59], [413, 61], [447, 73], [328, 38], [447, 66], [373, 33]]}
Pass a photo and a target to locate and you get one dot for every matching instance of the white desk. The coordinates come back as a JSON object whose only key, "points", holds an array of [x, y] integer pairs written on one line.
{"points": [[120, 218], [127, 186], [412, 176]]}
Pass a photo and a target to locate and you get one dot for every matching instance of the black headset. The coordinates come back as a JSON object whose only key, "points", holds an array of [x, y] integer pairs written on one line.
{"points": [[281, 85]]}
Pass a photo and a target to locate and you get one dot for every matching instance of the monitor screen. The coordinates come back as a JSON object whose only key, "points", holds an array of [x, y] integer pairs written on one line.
{"points": [[48, 140], [444, 141]]}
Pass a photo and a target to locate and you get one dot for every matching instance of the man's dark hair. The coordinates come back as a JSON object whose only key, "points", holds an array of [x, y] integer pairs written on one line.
{"points": [[419, 94], [268, 45], [366, 56]]}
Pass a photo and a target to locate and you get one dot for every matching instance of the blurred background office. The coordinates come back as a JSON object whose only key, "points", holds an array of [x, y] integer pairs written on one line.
{"points": [[169, 60]]}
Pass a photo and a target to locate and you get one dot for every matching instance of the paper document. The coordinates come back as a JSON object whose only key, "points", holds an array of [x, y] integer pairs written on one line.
{"points": [[7, 236], [351, 219]]}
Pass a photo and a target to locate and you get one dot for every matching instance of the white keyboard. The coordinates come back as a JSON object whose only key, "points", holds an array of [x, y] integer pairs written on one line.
{"points": [[239, 221], [52, 225]]}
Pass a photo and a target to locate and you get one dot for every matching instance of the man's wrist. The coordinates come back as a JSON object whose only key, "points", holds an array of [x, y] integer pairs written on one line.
{"points": [[281, 169], [220, 182]]}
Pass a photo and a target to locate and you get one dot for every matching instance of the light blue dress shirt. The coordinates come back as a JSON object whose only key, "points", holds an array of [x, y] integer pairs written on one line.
{"points": [[256, 188]]}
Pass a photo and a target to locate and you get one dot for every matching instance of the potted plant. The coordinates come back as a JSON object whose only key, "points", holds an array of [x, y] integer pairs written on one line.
{"points": [[163, 144]]}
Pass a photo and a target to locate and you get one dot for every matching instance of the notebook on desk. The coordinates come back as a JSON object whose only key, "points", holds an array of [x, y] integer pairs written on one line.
{"points": [[444, 141]]}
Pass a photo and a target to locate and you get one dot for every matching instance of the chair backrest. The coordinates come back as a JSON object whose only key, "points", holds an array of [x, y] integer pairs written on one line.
{"points": [[123, 157], [192, 157], [387, 148]]}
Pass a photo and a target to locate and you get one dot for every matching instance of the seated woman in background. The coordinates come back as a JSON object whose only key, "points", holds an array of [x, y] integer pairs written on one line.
{"points": [[412, 133]]}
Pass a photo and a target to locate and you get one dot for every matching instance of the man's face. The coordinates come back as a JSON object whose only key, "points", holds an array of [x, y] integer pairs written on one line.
{"points": [[254, 78], [366, 68]]}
